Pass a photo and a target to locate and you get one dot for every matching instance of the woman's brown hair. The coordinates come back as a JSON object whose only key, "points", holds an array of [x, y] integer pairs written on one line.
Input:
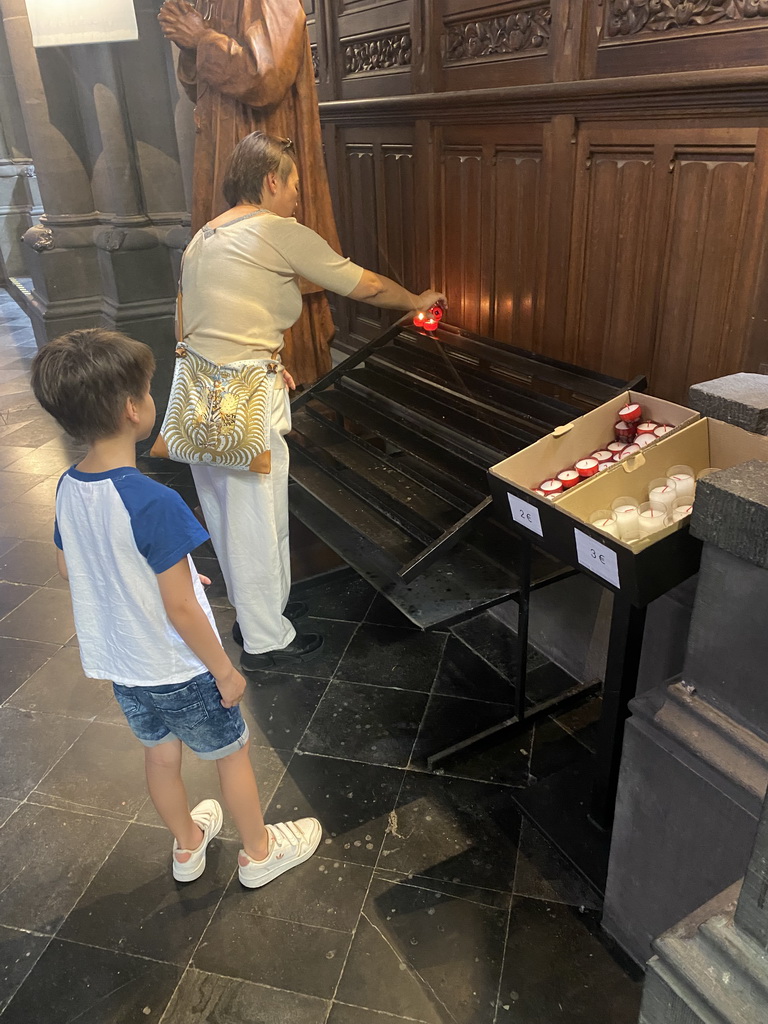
{"points": [[253, 158]]}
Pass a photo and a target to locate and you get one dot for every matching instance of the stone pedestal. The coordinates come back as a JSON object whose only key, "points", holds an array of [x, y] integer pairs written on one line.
{"points": [[695, 760], [712, 968]]}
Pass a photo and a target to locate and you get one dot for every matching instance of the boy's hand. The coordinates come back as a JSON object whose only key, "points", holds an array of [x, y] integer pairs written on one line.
{"points": [[231, 687]]}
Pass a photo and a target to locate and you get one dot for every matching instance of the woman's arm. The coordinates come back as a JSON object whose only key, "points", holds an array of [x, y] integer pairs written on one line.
{"points": [[387, 294]]}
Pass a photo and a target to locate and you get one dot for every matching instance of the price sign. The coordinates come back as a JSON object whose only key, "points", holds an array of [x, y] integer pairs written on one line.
{"points": [[597, 557], [525, 514]]}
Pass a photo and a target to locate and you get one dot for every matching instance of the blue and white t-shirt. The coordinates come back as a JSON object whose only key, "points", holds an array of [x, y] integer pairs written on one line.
{"points": [[118, 530]]}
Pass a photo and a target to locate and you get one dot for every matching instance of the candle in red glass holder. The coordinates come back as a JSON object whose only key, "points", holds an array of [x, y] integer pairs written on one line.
{"points": [[665, 428], [602, 455], [586, 467], [624, 431], [615, 447], [568, 478], [647, 427], [631, 413], [429, 321], [551, 487]]}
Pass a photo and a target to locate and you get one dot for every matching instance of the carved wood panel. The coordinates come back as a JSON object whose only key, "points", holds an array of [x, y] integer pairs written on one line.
{"points": [[379, 214], [663, 249], [661, 16]]}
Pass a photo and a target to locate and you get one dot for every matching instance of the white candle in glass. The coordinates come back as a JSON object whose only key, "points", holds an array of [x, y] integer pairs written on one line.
{"points": [[650, 518], [625, 510], [684, 479], [605, 520], [664, 491], [681, 509]]}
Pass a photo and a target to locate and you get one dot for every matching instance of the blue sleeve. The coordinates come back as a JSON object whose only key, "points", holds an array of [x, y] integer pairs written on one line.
{"points": [[164, 528], [56, 533]]}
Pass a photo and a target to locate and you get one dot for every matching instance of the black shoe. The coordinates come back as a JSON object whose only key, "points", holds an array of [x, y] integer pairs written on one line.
{"points": [[303, 647], [293, 610]]}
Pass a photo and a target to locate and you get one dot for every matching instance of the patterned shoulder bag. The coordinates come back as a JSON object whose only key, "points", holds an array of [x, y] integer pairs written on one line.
{"points": [[217, 415]]}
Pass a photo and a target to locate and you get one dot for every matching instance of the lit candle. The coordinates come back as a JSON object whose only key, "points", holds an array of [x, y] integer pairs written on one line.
{"points": [[586, 467], [663, 491], [650, 518], [625, 510], [605, 520], [684, 480], [631, 413], [568, 478]]}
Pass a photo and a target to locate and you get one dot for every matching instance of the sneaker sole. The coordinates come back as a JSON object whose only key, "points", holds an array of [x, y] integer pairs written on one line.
{"points": [[279, 869], [196, 872]]}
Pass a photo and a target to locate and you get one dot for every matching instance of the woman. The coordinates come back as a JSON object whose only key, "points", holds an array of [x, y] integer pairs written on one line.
{"points": [[240, 287]]}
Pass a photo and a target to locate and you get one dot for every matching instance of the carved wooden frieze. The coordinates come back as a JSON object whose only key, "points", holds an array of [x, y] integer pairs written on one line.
{"points": [[510, 35], [633, 17], [377, 53]]}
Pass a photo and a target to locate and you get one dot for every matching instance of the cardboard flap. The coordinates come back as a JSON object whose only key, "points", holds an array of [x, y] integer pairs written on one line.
{"points": [[563, 429], [633, 463]]}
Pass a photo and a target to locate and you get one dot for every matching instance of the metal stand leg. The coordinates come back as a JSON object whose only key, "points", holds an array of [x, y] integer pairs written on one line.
{"points": [[524, 608], [623, 661]]}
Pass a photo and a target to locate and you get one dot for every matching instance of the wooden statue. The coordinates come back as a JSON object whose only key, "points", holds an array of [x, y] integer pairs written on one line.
{"points": [[247, 66]]}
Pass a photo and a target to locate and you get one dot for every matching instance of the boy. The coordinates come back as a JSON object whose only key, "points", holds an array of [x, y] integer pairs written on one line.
{"points": [[143, 621]]}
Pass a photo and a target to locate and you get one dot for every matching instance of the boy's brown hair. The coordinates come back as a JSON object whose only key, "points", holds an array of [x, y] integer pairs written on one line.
{"points": [[84, 378]]}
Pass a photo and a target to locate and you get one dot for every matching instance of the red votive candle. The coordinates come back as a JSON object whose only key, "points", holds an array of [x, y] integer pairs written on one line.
{"points": [[643, 440], [624, 431], [587, 467], [665, 428], [568, 478], [615, 447], [647, 427], [602, 455], [550, 488], [631, 449], [631, 413], [538, 490]]}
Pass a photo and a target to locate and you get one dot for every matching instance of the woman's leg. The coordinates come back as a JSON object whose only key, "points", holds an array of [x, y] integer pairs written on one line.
{"points": [[247, 517], [169, 795], [241, 795]]}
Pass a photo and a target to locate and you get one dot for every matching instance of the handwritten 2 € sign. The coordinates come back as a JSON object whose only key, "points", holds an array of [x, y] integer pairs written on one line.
{"points": [[525, 514]]}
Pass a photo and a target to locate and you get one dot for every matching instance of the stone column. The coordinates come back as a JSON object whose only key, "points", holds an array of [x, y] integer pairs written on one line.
{"points": [[695, 760], [60, 253]]}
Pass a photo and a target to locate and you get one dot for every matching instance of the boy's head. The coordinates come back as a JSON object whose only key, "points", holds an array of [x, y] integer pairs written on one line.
{"points": [[90, 380]]}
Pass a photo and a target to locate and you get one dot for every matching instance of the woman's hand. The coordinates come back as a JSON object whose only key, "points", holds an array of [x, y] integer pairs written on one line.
{"points": [[428, 299], [204, 580], [289, 381], [181, 23]]}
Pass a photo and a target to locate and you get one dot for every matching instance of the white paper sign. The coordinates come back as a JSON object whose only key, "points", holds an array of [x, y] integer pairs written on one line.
{"points": [[597, 557], [72, 22], [525, 514]]}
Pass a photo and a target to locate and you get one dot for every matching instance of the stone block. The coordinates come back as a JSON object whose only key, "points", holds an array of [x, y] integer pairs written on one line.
{"points": [[728, 640], [731, 511], [740, 399]]}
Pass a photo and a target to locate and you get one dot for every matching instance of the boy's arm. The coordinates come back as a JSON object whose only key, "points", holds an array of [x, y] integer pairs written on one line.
{"points": [[61, 564], [191, 623]]}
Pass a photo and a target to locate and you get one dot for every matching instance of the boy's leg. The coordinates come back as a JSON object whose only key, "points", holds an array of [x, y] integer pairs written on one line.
{"points": [[169, 795], [241, 795]]}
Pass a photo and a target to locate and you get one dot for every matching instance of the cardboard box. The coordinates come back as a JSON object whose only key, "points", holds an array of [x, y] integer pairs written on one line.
{"points": [[642, 570]]}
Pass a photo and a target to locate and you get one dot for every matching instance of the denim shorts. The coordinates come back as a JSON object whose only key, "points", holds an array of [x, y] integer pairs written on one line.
{"points": [[190, 711]]}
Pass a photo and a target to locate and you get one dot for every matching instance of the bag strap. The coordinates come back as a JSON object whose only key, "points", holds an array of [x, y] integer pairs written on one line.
{"points": [[179, 312]]}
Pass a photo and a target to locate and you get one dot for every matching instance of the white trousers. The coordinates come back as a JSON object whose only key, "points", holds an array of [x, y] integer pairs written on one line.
{"points": [[247, 517]]}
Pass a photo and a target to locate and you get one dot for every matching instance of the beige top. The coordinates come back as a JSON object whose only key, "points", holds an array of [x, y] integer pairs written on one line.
{"points": [[240, 288]]}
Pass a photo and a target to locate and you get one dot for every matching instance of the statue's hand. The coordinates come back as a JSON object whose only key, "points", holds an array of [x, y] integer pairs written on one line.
{"points": [[181, 23]]}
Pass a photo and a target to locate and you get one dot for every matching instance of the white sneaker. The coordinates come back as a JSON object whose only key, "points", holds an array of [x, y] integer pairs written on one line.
{"points": [[208, 816], [290, 844]]}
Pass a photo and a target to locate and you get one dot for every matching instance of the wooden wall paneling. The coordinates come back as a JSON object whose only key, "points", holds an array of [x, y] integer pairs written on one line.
{"points": [[560, 150], [648, 36], [486, 45], [379, 214], [620, 197], [492, 208], [375, 47], [712, 249]]}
